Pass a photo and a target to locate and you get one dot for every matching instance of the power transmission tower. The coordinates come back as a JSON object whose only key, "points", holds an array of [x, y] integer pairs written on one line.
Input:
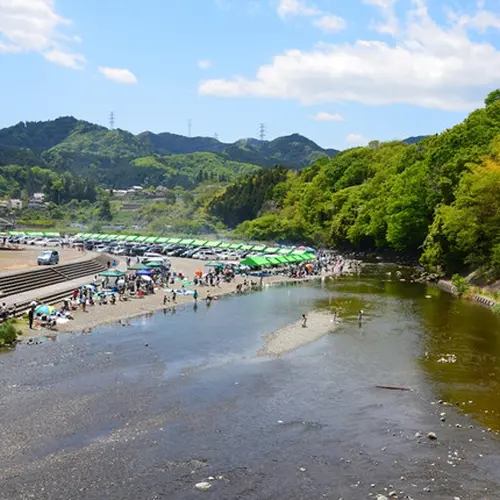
{"points": [[262, 131], [112, 120], [216, 136], [190, 123]]}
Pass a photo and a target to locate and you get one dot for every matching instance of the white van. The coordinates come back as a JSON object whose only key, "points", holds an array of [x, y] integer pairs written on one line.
{"points": [[155, 257]]}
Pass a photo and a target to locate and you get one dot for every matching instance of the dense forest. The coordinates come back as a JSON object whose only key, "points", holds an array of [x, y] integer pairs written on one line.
{"points": [[437, 199]]}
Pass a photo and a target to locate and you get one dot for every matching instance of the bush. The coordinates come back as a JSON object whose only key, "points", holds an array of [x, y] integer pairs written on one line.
{"points": [[8, 333], [460, 283]]}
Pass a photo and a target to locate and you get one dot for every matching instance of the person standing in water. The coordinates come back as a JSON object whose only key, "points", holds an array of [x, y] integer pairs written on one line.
{"points": [[360, 317], [304, 321]]}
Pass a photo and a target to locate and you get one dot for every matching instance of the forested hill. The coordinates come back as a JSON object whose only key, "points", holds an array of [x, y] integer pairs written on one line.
{"points": [[438, 199], [67, 136]]}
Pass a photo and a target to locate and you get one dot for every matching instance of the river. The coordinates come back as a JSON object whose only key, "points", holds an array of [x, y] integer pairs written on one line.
{"points": [[149, 410]]}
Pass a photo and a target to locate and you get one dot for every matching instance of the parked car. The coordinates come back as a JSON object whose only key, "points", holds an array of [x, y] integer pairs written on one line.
{"points": [[48, 257]]}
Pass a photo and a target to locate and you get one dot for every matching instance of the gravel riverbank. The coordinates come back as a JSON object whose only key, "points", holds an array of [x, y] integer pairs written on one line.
{"points": [[294, 335]]}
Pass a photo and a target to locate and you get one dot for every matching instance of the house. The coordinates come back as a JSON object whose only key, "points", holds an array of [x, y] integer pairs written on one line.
{"points": [[12, 204]]}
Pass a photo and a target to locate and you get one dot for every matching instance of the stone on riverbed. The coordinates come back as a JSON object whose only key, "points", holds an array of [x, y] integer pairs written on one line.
{"points": [[432, 436], [203, 486]]}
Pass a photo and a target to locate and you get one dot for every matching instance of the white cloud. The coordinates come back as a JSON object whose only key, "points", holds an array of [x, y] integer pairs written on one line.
{"points": [[296, 8], [323, 116], [326, 22], [74, 61], [356, 140], [330, 23], [204, 63], [425, 65], [33, 26], [119, 75], [390, 23]]}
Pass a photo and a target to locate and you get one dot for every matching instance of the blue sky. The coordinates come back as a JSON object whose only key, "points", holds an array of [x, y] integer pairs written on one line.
{"points": [[340, 72]]}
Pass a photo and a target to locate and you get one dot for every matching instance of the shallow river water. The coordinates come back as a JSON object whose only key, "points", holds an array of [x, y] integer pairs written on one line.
{"points": [[149, 410]]}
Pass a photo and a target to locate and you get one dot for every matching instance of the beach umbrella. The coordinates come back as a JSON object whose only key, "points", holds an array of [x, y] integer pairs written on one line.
{"points": [[144, 272], [214, 264], [45, 309], [138, 267], [114, 273], [153, 263]]}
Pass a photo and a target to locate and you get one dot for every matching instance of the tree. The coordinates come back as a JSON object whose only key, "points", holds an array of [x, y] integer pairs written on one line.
{"points": [[492, 97], [104, 210]]}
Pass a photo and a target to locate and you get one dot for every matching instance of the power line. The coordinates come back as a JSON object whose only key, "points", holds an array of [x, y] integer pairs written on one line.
{"points": [[262, 131], [112, 120]]}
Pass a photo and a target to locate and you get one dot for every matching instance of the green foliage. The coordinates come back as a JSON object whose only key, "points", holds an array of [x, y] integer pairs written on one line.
{"points": [[437, 198], [461, 284], [8, 333], [246, 198]]}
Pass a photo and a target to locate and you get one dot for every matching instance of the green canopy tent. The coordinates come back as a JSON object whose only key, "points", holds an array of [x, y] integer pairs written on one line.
{"points": [[259, 248], [281, 260], [273, 261], [51, 234], [84, 236], [186, 241], [293, 258], [36, 234], [255, 262], [225, 244], [199, 243], [175, 240], [16, 233], [289, 259], [121, 237], [246, 247], [151, 239], [140, 239], [112, 273], [101, 237], [235, 246], [130, 238], [285, 251], [270, 250], [139, 266], [213, 244], [162, 239]]}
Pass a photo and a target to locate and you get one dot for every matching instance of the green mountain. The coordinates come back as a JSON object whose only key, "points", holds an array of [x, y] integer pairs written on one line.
{"points": [[67, 136]]}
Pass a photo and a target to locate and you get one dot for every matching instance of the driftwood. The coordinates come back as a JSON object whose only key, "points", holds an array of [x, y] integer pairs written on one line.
{"points": [[391, 388]]}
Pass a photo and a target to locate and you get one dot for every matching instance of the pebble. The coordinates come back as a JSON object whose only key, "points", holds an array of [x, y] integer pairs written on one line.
{"points": [[432, 435], [203, 486], [418, 435]]}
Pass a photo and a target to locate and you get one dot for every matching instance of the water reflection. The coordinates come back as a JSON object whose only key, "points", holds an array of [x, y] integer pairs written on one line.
{"points": [[446, 326]]}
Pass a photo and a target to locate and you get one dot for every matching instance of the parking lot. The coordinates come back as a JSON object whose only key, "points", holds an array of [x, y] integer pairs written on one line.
{"points": [[26, 257]]}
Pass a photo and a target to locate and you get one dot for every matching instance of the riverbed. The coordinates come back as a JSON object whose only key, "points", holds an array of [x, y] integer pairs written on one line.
{"points": [[150, 410]]}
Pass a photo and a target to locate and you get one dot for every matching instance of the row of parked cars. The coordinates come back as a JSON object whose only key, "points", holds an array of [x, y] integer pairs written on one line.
{"points": [[170, 250]]}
